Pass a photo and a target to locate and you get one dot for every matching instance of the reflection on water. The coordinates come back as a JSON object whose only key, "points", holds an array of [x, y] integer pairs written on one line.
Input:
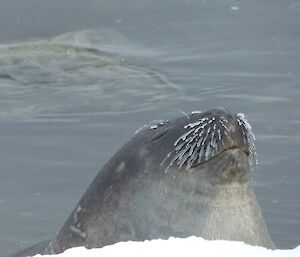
{"points": [[70, 75]]}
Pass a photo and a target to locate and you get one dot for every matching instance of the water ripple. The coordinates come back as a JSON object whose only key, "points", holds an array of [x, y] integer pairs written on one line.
{"points": [[52, 78]]}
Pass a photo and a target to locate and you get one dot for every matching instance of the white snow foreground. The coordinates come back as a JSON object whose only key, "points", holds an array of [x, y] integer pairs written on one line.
{"points": [[178, 247]]}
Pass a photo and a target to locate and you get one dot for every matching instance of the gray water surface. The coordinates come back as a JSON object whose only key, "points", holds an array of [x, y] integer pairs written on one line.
{"points": [[78, 78]]}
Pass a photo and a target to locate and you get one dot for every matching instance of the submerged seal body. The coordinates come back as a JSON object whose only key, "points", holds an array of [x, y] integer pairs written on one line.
{"points": [[189, 176]]}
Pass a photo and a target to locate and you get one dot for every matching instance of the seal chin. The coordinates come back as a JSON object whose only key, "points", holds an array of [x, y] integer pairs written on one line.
{"points": [[229, 167]]}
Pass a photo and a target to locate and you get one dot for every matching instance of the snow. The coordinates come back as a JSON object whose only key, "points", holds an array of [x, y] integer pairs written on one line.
{"points": [[178, 247]]}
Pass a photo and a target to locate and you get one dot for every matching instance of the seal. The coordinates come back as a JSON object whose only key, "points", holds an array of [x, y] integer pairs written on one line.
{"points": [[189, 176]]}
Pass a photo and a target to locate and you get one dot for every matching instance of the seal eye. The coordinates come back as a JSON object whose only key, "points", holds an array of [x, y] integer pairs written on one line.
{"points": [[160, 134], [211, 134]]}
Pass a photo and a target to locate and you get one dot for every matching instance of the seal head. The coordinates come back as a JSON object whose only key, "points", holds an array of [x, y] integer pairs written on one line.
{"points": [[189, 176]]}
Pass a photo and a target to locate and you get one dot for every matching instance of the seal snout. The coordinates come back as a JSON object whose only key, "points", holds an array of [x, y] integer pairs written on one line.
{"points": [[208, 134]]}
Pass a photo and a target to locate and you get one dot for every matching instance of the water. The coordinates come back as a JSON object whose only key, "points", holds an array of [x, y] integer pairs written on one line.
{"points": [[77, 79]]}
